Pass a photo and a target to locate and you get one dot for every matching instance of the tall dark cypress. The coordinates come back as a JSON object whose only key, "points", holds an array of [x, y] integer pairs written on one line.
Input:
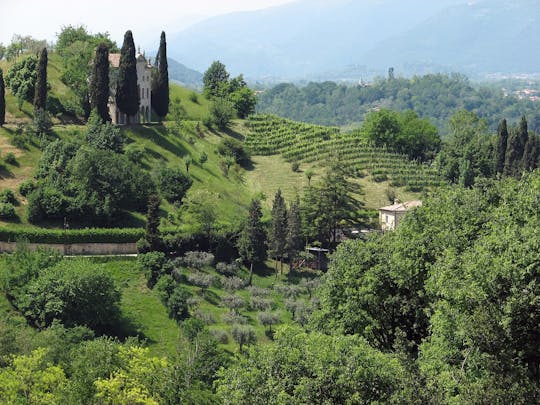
{"points": [[160, 81], [2, 99], [501, 147], [277, 239], [127, 91], [530, 155], [40, 95], [99, 86]]}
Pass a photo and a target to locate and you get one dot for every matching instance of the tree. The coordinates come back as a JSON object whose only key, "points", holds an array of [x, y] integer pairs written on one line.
{"points": [[252, 241], [216, 80], [21, 79], [173, 184], [99, 85], [201, 206], [222, 112], [277, 238], [502, 141], [103, 135], [40, 97], [160, 81], [2, 99], [243, 335], [127, 92], [530, 154], [516, 147], [244, 101], [152, 235], [294, 238]]}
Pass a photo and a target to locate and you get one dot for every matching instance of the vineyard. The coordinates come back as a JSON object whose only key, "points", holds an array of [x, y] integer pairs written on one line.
{"points": [[312, 144]]}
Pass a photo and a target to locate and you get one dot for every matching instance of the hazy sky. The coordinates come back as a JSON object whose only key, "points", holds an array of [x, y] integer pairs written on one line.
{"points": [[42, 19]]}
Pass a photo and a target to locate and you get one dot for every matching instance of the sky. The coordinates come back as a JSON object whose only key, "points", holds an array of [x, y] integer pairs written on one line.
{"points": [[43, 19]]}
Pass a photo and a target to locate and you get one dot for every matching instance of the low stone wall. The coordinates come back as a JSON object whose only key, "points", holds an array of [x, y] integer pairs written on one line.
{"points": [[77, 248]]}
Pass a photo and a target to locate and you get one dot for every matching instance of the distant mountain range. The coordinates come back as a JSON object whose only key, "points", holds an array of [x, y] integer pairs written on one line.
{"points": [[183, 75], [350, 39]]}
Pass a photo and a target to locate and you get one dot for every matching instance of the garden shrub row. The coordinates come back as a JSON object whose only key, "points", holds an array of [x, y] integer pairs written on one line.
{"points": [[60, 236]]}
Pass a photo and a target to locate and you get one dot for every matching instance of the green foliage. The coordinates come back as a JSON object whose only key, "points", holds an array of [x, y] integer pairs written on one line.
{"points": [[252, 240], [127, 92], [235, 149], [7, 196], [2, 99], [152, 234], [99, 83], [40, 96], [244, 101], [502, 142], [277, 237], [216, 80], [160, 81], [152, 264], [41, 123], [173, 184], [7, 211], [243, 335], [221, 112], [10, 159], [60, 236], [21, 79], [103, 135], [26, 187], [311, 368]]}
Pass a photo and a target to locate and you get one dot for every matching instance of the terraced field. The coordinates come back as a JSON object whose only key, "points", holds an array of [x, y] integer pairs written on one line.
{"points": [[317, 145]]}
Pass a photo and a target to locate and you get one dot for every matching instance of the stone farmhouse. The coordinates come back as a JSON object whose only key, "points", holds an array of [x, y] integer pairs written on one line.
{"points": [[144, 69], [390, 216]]}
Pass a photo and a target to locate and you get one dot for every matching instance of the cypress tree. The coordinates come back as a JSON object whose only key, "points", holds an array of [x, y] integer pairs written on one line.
{"points": [[99, 86], [2, 99], [514, 153], [160, 81], [40, 94], [252, 241], [294, 230], [278, 232], [127, 91], [152, 235], [530, 155], [501, 147]]}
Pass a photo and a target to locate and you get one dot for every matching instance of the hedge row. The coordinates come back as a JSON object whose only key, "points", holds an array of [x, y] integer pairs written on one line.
{"points": [[59, 236]]}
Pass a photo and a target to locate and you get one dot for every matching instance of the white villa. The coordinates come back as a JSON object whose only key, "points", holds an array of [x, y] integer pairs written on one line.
{"points": [[144, 69], [390, 215]]}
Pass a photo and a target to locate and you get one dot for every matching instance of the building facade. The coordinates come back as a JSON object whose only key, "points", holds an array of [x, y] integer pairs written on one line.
{"points": [[390, 216], [144, 80]]}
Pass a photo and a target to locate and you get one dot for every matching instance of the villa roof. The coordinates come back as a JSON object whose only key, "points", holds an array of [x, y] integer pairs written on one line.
{"points": [[402, 207]]}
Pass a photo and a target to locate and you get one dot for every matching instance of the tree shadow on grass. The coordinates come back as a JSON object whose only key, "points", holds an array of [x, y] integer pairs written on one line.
{"points": [[263, 270], [164, 143], [126, 328], [211, 297]]}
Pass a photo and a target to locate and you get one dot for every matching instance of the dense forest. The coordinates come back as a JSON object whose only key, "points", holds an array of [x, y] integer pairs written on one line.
{"points": [[434, 96]]}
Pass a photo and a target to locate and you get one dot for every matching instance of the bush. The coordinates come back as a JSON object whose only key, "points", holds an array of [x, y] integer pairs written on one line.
{"points": [[234, 148], [134, 153], [202, 280], [75, 293], [60, 236], [204, 316], [231, 284], [10, 159], [295, 167], [7, 197], [177, 304], [173, 184], [243, 335], [220, 335], [231, 318], [26, 187], [198, 260], [7, 211], [194, 97], [261, 304], [233, 302], [258, 291], [153, 266], [221, 112], [227, 269]]}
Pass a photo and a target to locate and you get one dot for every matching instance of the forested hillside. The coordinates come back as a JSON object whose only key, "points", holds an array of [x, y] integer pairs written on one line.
{"points": [[436, 97]]}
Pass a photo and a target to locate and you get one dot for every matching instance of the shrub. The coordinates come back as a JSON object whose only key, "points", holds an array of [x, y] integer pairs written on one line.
{"points": [[204, 316], [198, 260], [7, 197], [7, 211], [202, 280], [220, 335], [380, 177], [243, 335], [153, 266], [221, 112], [295, 167], [60, 236], [75, 293], [268, 319], [261, 304], [231, 284], [289, 291], [203, 158], [10, 159], [134, 153], [194, 97], [173, 184], [233, 302], [234, 148], [227, 269], [177, 303], [231, 318], [258, 291], [26, 187]]}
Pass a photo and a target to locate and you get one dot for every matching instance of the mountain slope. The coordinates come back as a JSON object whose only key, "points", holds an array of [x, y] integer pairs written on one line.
{"points": [[183, 75], [482, 36], [299, 38]]}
